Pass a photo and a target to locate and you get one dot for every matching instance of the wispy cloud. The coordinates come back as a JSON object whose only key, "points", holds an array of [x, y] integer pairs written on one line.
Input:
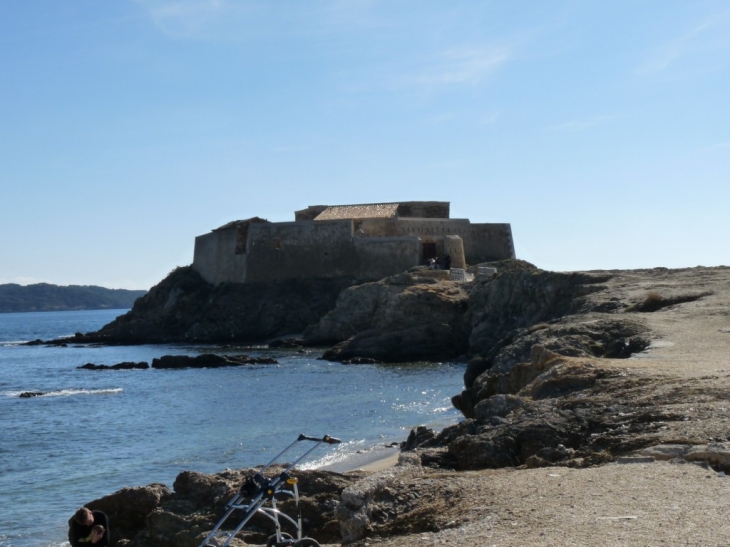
{"points": [[195, 18], [453, 68], [232, 20], [573, 126], [709, 37], [722, 145], [462, 66]]}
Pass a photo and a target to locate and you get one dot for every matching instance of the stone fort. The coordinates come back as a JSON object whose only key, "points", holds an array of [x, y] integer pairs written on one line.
{"points": [[367, 242]]}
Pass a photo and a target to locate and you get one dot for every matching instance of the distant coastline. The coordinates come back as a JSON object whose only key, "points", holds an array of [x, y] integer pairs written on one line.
{"points": [[42, 297]]}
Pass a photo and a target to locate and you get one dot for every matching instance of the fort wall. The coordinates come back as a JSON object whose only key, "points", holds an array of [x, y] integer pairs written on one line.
{"points": [[215, 257], [377, 227], [361, 246], [301, 249], [383, 256], [488, 242]]}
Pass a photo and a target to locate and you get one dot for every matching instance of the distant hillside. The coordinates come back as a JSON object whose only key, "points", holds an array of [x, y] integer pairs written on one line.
{"points": [[46, 297]]}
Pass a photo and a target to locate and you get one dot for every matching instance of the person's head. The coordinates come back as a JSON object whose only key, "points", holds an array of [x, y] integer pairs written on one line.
{"points": [[84, 516]]}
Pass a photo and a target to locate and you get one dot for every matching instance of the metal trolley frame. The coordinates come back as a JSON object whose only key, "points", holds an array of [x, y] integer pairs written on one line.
{"points": [[260, 490]]}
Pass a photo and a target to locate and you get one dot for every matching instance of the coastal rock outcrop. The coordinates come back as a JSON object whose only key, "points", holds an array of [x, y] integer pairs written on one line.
{"points": [[155, 515], [185, 308], [544, 386], [419, 315], [567, 370]]}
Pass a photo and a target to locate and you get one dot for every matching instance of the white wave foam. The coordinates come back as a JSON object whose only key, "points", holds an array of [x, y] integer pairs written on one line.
{"points": [[70, 392], [352, 455], [340, 454]]}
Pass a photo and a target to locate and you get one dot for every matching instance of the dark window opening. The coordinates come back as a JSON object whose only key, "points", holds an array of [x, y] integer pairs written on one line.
{"points": [[429, 251]]}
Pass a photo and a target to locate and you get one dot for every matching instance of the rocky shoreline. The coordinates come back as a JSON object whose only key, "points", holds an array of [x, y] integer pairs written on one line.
{"points": [[573, 372]]}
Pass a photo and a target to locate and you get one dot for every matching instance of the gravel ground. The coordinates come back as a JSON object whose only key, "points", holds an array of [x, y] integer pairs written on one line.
{"points": [[614, 505]]}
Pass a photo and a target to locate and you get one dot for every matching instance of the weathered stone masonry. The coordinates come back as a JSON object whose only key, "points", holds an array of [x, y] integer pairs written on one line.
{"points": [[366, 242]]}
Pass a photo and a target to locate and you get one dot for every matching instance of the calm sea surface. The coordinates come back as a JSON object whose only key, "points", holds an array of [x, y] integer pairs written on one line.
{"points": [[94, 432]]}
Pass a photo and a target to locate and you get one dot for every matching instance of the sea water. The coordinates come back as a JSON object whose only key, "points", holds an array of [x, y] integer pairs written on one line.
{"points": [[95, 432]]}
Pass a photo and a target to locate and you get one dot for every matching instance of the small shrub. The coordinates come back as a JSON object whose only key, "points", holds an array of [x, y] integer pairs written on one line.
{"points": [[654, 301]]}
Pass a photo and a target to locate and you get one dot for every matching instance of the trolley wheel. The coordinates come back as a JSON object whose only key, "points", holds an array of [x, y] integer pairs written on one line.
{"points": [[271, 542], [306, 542]]}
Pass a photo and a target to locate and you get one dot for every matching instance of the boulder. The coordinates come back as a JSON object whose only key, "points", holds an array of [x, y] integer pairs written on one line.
{"points": [[119, 366], [129, 508], [411, 316], [362, 505], [717, 454], [420, 436], [30, 394], [209, 360], [496, 405]]}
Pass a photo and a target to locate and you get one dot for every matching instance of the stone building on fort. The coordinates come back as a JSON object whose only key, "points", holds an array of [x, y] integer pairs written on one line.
{"points": [[367, 242]]}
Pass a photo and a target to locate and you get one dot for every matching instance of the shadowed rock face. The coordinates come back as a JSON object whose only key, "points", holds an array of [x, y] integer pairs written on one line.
{"points": [[408, 317], [521, 299], [185, 308]]}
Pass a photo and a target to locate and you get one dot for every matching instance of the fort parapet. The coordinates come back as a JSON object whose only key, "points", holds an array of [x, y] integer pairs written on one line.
{"points": [[367, 242]]}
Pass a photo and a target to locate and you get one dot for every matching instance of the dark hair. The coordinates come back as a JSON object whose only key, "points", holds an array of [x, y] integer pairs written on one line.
{"points": [[82, 515]]}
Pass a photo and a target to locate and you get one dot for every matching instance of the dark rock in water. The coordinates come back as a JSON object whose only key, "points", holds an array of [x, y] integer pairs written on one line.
{"points": [[154, 515], [288, 343], [361, 361], [29, 394], [209, 360], [61, 342], [119, 366]]}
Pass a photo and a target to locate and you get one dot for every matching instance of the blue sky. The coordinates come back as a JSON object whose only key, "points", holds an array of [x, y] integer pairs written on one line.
{"points": [[599, 130]]}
